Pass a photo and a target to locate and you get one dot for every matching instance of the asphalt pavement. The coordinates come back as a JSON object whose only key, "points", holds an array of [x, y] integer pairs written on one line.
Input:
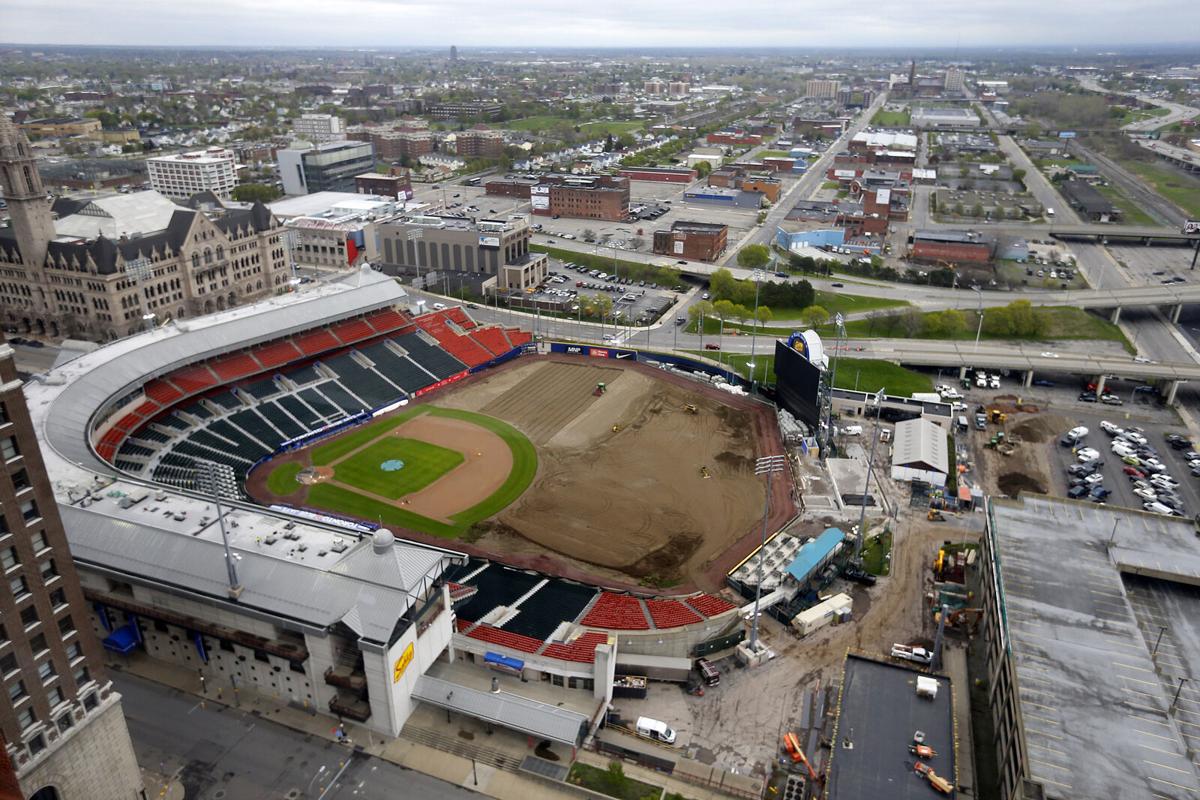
{"points": [[220, 753]]}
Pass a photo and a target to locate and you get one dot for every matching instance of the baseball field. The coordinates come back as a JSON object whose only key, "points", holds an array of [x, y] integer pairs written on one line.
{"points": [[429, 469], [602, 467]]}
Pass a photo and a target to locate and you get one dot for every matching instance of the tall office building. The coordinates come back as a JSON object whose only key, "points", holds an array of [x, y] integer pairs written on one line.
{"points": [[63, 728], [453, 53], [954, 79], [182, 175], [821, 89], [329, 167]]}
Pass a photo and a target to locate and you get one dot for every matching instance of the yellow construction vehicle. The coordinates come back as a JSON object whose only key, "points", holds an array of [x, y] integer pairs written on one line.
{"points": [[690, 408], [998, 417], [935, 516], [936, 781]]}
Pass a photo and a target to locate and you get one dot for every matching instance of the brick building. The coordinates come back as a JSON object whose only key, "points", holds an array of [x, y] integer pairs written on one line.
{"points": [[734, 138], [658, 174], [466, 109], [953, 247], [480, 142], [394, 144], [396, 186], [63, 728], [770, 187], [603, 197], [695, 241]]}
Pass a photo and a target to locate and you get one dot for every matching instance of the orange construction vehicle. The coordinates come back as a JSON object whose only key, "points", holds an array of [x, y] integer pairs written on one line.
{"points": [[792, 744], [936, 781], [922, 750]]}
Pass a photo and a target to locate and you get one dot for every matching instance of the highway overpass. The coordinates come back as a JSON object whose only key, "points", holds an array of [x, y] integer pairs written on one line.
{"points": [[1027, 359]]}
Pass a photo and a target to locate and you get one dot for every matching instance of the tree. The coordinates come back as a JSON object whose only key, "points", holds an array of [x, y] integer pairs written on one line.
{"points": [[1026, 322], [721, 284], [814, 316], [637, 243], [699, 310], [754, 256], [703, 168], [911, 321], [588, 233], [945, 324], [255, 193], [724, 309], [741, 313]]}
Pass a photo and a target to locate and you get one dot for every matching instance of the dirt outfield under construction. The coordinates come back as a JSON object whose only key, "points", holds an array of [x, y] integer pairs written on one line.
{"points": [[631, 480]]}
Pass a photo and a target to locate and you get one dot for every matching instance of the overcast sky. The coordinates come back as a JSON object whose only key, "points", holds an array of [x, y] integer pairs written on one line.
{"points": [[615, 23]]}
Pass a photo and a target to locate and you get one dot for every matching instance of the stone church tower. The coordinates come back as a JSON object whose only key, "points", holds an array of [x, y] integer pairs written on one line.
{"points": [[22, 188]]}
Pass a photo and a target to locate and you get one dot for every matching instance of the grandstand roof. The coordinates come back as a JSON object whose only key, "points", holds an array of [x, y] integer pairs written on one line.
{"points": [[64, 400]]}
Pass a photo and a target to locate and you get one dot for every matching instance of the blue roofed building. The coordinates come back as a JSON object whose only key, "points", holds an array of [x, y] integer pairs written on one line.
{"points": [[815, 555]]}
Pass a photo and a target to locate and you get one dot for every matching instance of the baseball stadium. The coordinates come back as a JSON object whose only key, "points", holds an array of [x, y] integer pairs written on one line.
{"points": [[346, 486]]}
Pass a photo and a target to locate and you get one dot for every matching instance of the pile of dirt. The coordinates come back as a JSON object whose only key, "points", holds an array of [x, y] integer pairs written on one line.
{"points": [[1013, 483], [1041, 428]]}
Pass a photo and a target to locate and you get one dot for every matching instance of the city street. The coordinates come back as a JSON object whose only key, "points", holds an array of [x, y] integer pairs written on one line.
{"points": [[220, 753]]}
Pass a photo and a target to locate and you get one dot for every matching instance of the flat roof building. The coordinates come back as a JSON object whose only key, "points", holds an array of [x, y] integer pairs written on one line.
{"points": [[878, 711], [695, 241], [466, 109], [925, 117], [305, 168], [1089, 622], [500, 248], [1087, 201], [319, 128], [182, 175]]}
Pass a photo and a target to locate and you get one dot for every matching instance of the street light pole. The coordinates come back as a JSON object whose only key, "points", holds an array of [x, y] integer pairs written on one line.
{"points": [[765, 466], [979, 327], [756, 276]]}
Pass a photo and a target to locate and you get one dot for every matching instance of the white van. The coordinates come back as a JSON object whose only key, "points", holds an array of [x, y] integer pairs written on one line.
{"points": [[656, 730], [852, 430]]}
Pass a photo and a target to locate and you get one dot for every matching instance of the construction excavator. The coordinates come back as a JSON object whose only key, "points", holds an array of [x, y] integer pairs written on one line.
{"points": [[690, 408]]}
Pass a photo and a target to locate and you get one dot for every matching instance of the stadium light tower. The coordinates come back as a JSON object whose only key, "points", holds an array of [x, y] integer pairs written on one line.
{"points": [[862, 514], [839, 324], [220, 480], [765, 466], [756, 276]]}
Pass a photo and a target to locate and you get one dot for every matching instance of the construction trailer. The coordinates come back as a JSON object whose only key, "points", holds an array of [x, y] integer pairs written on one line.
{"points": [[836, 608]]}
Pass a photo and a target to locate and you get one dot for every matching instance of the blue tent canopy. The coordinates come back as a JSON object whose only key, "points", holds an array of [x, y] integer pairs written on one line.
{"points": [[123, 640]]}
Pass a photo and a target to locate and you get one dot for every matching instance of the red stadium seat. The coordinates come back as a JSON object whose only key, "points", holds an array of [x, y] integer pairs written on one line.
{"points": [[708, 605], [316, 342], [277, 354], [617, 612], [513, 641], [582, 650], [671, 614]]}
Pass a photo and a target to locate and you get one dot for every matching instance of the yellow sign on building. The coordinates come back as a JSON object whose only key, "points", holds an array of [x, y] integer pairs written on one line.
{"points": [[402, 663]]}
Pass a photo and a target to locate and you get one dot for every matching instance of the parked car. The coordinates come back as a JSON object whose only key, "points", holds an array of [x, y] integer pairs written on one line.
{"points": [[1087, 454], [1110, 428], [857, 574], [1134, 473], [1110, 399], [1099, 493], [1087, 397], [1078, 492]]}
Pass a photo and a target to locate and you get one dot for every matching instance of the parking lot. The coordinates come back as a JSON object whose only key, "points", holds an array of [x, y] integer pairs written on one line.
{"points": [[633, 301], [1154, 265], [1112, 467]]}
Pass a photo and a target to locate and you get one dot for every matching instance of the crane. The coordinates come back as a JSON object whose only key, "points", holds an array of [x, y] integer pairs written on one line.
{"points": [[792, 744]]}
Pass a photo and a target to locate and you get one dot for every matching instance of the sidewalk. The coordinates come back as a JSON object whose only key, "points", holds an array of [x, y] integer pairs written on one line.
{"points": [[488, 768]]}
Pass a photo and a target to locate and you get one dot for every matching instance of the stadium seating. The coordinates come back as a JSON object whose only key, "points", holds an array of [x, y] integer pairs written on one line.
{"points": [[341, 398], [147, 409], [305, 375], [353, 331], [226, 400], [195, 410], [367, 383], [399, 370], [303, 414], [493, 339], [435, 359], [276, 416], [260, 389], [277, 354], [518, 337], [458, 315], [317, 342], [463, 348], [320, 404], [238, 365], [513, 641], [253, 424], [708, 605], [194, 379], [388, 321], [617, 612], [162, 392], [671, 614], [582, 650]]}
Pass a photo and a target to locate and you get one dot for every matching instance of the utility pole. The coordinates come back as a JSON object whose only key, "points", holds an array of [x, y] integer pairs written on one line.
{"points": [[839, 323], [765, 466], [979, 327]]}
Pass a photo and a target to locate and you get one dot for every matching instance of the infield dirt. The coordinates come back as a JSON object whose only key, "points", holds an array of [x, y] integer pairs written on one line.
{"points": [[620, 482]]}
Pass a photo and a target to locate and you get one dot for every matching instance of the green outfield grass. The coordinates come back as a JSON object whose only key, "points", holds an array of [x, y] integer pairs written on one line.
{"points": [[424, 463], [282, 479], [427, 463]]}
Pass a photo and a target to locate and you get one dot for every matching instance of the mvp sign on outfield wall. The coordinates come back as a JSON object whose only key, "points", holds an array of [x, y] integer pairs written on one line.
{"points": [[1191, 226], [594, 352]]}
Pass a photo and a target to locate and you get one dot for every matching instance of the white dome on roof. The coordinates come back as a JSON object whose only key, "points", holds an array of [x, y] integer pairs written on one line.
{"points": [[382, 540]]}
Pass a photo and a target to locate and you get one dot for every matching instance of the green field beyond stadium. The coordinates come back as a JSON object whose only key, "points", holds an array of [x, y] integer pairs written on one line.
{"points": [[372, 468]]}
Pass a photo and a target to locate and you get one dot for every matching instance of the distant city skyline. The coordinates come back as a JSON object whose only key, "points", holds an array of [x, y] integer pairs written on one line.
{"points": [[618, 23]]}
